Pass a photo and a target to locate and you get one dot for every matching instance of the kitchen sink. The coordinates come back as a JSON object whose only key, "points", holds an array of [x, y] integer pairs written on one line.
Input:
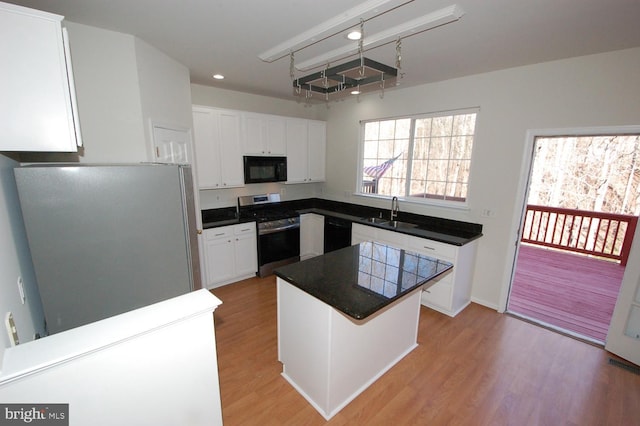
{"points": [[398, 224], [377, 220]]}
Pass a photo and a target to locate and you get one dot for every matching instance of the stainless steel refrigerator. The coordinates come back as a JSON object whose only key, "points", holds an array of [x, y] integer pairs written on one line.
{"points": [[107, 239]]}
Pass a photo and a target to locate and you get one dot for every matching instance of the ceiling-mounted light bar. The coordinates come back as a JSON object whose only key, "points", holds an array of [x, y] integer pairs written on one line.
{"points": [[338, 23], [423, 23]]}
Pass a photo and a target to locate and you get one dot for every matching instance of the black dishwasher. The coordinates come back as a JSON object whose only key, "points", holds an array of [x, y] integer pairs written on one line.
{"points": [[337, 233]]}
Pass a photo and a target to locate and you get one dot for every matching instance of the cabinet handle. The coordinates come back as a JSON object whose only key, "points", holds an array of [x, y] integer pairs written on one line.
{"points": [[217, 235], [199, 231], [428, 248], [245, 230]]}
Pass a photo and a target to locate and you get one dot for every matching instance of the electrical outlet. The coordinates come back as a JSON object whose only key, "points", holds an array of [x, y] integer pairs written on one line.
{"points": [[488, 213], [11, 329], [23, 298]]}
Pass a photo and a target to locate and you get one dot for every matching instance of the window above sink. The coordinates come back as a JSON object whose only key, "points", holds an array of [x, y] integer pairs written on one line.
{"points": [[424, 158]]}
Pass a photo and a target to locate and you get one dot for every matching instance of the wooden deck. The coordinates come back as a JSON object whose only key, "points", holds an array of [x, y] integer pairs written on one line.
{"points": [[565, 290]]}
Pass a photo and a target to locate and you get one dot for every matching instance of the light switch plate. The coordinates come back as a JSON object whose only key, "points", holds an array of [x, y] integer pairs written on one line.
{"points": [[21, 290], [11, 329]]}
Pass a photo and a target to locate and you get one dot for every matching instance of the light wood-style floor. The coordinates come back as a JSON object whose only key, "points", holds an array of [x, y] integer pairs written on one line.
{"points": [[480, 368]]}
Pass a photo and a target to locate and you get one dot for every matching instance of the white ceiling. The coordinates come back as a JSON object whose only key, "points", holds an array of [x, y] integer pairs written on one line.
{"points": [[218, 36]]}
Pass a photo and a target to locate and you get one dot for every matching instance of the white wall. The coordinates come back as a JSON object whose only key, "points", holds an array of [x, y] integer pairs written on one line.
{"points": [[165, 91], [123, 84], [596, 90], [15, 260], [220, 98], [108, 94]]}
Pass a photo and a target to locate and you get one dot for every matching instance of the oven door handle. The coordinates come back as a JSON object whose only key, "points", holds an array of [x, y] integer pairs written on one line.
{"points": [[281, 228]]}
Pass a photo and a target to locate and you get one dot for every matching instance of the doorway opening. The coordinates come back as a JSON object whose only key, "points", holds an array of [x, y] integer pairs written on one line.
{"points": [[579, 218]]}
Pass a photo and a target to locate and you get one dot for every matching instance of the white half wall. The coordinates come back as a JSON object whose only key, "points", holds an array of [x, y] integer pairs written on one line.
{"points": [[588, 91]]}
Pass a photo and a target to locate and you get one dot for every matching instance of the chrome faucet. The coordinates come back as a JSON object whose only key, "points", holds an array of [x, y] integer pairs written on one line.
{"points": [[394, 208]]}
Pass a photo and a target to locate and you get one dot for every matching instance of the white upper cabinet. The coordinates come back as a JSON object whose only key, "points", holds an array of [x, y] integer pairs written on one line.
{"points": [[37, 95], [223, 136], [317, 133], [263, 134], [297, 151], [306, 150], [217, 145]]}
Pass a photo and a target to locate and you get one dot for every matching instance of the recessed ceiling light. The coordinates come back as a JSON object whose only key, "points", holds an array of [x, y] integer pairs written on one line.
{"points": [[354, 35], [218, 76]]}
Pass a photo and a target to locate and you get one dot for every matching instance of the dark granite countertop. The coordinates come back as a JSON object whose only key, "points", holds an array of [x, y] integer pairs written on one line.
{"points": [[434, 228], [362, 279]]}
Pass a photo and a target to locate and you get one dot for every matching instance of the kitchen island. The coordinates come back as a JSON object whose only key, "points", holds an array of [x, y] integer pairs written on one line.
{"points": [[346, 317]]}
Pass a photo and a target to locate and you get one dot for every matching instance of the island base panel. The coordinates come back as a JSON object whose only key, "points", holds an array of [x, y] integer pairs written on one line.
{"points": [[330, 358]]}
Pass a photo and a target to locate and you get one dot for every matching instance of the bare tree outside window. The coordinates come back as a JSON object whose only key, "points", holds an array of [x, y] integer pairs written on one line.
{"points": [[584, 194], [426, 157], [593, 173]]}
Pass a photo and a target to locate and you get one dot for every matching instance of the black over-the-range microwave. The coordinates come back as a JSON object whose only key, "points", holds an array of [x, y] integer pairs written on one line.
{"points": [[265, 169]]}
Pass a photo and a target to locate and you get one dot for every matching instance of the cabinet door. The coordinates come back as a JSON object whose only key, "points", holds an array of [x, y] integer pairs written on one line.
{"points": [[207, 155], [317, 132], [297, 150], [362, 233], [231, 172], [254, 134], [275, 136], [246, 254], [391, 238], [219, 260], [37, 97], [306, 236], [311, 235], [264, 135]]}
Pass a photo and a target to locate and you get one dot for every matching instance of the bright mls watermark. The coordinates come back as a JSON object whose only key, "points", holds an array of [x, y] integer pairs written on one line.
{"points": [[36, 414]]}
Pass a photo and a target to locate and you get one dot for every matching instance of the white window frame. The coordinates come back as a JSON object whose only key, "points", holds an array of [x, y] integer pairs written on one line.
{"points": [[461, 205]]}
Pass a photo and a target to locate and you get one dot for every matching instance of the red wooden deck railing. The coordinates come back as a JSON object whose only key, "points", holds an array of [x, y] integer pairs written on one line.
{"points": [[595, 233]]}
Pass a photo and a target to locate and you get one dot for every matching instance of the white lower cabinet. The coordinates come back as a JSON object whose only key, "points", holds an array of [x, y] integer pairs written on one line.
{"points": [[452, 291], [230, 253], [246, 254], [311, 235], [362, 233]]}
